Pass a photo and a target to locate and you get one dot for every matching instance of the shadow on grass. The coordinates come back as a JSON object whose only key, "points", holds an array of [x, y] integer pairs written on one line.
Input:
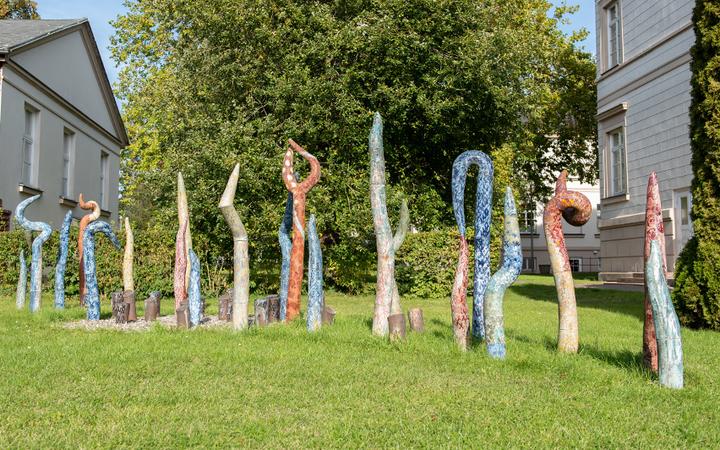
{"points": [[624, 359], [629, 303]]}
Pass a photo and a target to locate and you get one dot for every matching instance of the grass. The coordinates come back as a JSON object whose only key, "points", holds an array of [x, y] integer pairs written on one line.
{"points": [[282, 388]]}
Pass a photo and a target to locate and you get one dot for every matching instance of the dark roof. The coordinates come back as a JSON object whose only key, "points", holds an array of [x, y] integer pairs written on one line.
{"points": [[15, 33]]}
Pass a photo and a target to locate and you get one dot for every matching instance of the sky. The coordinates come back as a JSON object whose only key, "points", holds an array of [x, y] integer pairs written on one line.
{"points": [[101, 12]]}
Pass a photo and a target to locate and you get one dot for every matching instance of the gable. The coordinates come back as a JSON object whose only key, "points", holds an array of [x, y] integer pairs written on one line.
{"points": [[64, 64]]}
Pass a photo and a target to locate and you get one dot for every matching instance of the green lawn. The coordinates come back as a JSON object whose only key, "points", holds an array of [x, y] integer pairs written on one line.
{"points": [[282, 388]]}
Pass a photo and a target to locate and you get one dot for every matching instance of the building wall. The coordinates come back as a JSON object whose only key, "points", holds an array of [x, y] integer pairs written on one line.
{"points": [[53, 118], [649, 94], [581, 242]]}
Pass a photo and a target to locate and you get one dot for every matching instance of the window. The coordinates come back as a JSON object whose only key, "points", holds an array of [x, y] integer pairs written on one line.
{"points": [[68, 156], [528, 263], [576, 264], [618, 174], [29, 145], [527, 222], [104, 175], [614, 35]]}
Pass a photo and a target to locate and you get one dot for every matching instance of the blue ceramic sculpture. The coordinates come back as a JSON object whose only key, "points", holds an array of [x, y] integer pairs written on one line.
{"points": [[194, 298], [667, 325], [483, 201], [92, 296], [316, 296], [62, 262], [504, 277], [285, 248], [36, 265], [22, 282]]}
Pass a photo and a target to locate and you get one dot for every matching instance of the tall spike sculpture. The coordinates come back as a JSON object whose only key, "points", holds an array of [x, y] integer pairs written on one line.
{"points": [[194, 297], [128, 256], [667, 326], [299, 192], [483, 200], [504, 277], [241, 259], [84, 222], [398, 239], [654, 231], [179, 286], [575, 208], [184, 216], [62, 262], [387, 245], [36, 264], [316, 297], [285, 248], [22, 282], [92, 298]]}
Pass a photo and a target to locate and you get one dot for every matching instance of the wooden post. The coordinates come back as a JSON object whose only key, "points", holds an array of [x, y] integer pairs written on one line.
{"points": [[152, 306], [387, 299], [84, 222], [299, 192], [273, 308], [119, 308], [575, 208], [667, 325], [129, 298], [225, 306], [182, 316], [654, 231], [241, 260], [417, 323]]}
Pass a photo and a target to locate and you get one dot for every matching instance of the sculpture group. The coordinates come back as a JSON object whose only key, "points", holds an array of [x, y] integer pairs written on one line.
{"points": [[662, 348]]}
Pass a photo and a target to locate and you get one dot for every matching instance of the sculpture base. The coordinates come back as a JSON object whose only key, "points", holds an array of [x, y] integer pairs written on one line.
{"points": [[396, 326], [417, 323]]}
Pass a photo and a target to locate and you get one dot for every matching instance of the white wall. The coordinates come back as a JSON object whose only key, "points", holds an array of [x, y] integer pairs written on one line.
{"points": [[53, 117]]}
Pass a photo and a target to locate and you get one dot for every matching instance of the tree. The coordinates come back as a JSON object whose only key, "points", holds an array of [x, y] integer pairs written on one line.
{"points": [[697, 275], [18, 9], [208, 83]]}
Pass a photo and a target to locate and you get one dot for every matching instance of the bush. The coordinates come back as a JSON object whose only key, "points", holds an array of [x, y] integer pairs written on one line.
{"points": [[697, 275]]}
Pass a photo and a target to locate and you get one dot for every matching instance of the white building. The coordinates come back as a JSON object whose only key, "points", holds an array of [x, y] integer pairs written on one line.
{"points": [[60, 129], [643, 91], [582, 243]]}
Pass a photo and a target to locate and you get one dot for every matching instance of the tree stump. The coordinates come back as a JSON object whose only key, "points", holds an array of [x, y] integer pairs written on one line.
{"points": [[273, 308], [182, 316], [225, 306], [129, 298], [115, 298], [261, 312], [328, 315], [152, 306], [415, 317], [396, 326]]}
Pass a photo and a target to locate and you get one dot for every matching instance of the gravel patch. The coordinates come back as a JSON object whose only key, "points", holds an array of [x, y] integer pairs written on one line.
{"points": [[141, 324]]}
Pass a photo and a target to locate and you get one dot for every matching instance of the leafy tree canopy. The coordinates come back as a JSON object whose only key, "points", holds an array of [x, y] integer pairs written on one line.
{"points": [[18, 9], [207, 83]]}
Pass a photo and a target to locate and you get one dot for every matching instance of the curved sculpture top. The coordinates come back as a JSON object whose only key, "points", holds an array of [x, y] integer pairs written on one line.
{"points": [[84, 222], [575, 208], [92, 298], [36, 265], [299, 191], [483, 204]]}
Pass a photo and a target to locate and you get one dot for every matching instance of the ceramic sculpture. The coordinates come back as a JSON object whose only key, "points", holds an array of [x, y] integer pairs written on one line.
{"points": [[654, 231], [184, 216], [299, 191], [483, 200], [179, 286], [575, 208], [285, 248], [92, 297], [62, 261], [84, 222], [667, 326], [241, 259], [128, 256], [504, 277], [316, 297], [387, 299], [194, 297], [22, 282], [36, 263]]}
